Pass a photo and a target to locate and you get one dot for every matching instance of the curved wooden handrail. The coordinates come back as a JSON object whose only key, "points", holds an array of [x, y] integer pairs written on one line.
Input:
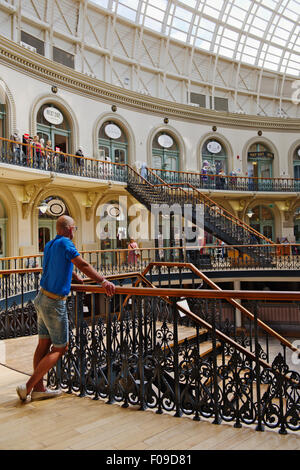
{"points": [[233, 302], [44, 149], [197, 173], [196, 293]]}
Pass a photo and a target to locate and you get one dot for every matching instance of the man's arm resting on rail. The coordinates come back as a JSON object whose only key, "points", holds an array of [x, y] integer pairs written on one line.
{"points": [[89, 271]]}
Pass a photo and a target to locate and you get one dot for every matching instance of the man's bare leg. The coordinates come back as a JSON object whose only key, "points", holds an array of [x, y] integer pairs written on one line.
{"points": [[44, 359]]}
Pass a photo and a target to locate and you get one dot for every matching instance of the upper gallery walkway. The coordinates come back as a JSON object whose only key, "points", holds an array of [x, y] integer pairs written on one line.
{"points": [[29, 156]]}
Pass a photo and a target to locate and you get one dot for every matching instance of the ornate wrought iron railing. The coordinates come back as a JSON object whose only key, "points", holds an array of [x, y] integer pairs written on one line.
{"points": [[31, 156], [128, 350], [231, 182], [137, 358]]}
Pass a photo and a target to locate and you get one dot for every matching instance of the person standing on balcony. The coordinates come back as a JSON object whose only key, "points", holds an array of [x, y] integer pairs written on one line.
{"points": [[16, 147], [79, 161], [134, 252], [60, 256]]}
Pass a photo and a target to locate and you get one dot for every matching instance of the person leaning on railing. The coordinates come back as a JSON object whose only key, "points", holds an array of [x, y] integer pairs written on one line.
{"points": [[60, 256]]}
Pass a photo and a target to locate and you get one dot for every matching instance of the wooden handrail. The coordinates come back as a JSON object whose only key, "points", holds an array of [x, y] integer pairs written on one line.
{"points": [[44, 149], [233, 302], [196, 293], [197, 173]]}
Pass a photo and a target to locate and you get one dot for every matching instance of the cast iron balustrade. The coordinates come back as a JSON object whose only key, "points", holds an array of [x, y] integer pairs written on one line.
{"points": [[134, 357], [228, 182], [29, 156], [128, 350]]}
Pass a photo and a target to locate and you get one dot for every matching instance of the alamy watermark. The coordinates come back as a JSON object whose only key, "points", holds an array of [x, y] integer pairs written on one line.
{"points": [[117, 220]]}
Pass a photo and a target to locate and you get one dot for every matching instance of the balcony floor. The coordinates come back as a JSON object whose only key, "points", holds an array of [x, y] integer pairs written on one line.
{"points": [[72, 423]]}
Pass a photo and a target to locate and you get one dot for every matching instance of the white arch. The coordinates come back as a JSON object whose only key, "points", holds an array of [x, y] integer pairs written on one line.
{"points": [[67, 110], [221, 138], [123, 123], [268, 143], [173, 133]]}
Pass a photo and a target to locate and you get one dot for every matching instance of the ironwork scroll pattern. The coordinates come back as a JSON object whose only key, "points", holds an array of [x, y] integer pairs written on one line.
{"points": [[137, 360], [17, 321]]}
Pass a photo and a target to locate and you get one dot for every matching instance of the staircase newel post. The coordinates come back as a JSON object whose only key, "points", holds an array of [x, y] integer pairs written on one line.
{"points": [[176, 361], [217, 419], [259, 426]]}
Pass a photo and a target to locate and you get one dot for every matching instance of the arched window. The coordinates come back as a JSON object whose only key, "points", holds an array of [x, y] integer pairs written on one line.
{"points": [[165, 152], [49, 210], [3, 222], [214, 157], [260, 162], [296, 166], [262, 221], [112, 143], [54, 127]]}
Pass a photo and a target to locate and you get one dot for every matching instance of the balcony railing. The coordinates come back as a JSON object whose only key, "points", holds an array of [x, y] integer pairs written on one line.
{"points": [[227, 182], [30, 156], [207, 257], [176, 351]]}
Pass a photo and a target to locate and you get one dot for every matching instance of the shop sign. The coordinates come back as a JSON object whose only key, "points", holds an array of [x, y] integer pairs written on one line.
{"points": [[214, 147], [260, 154], [53, 115], [165, 141], [113, 131], [56, 207]]}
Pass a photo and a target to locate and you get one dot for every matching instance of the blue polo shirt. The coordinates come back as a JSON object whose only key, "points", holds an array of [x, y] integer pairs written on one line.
{"points": [[57, 265]]}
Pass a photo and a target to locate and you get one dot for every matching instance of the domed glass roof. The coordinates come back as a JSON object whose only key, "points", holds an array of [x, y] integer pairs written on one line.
{"points": [[263, 33]]}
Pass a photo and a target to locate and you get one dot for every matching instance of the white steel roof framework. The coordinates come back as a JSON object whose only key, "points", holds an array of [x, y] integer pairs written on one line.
{"points": [[262, 33]]}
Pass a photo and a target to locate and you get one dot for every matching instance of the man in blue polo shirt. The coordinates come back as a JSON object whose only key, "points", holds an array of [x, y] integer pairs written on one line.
{"points": [[60, 256]]}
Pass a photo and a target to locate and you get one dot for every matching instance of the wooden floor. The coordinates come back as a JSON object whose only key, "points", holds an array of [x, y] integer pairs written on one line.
{"points": [[73, 423]]}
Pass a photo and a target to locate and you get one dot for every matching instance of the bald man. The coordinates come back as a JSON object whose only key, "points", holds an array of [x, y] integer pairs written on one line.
{"points": [[60, 256]]}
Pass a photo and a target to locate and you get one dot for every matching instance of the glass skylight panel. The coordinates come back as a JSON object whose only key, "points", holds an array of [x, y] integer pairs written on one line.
{"points": [[131, 3], [152, 24], [161, 4], [204, 34], [244, 4], [206, 24], [179, 35], [101, 3], [181, 25], [211, 11], [183, 14], [245, 28], [226, 52], [126, 12], [189, 3], [154, 13]]}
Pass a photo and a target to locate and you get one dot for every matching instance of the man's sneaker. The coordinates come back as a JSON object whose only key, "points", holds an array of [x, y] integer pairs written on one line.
{"points": [[46, 394], [22, 392]]}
